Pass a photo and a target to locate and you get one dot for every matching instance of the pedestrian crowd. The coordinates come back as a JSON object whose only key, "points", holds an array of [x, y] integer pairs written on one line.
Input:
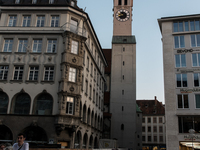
{"points": [[20, 145]]}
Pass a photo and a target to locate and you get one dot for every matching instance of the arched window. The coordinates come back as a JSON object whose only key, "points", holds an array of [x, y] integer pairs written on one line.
{"points": [[77, 143], [95, 121], [98, 124], [5, 134], [125, 2], [119, 2], [80, 111], [84, 114], [43, 104], [88, 116], [3, 103], [85, 138], [91, 142], [92, 119], [122, 126], [21, 104]]}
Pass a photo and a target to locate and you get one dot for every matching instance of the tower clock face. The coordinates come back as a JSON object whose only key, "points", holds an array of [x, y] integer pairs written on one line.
{"points": [[122, 15]]}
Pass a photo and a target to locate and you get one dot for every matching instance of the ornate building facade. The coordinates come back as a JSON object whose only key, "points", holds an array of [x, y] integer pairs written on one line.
{"points": [[51, 74]]}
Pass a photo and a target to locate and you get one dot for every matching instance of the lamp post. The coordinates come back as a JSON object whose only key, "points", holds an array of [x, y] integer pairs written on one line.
{"points": [[192, 131]]}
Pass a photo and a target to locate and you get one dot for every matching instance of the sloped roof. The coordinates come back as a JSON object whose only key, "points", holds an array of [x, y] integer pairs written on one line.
{"points": [[151, 107]]}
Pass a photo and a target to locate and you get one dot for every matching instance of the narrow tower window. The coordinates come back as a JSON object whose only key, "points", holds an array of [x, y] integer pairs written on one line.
{"points": [[124, 49], [122, 126], [123, 77], [125, 2], [122, 92], [119, 2], [122, 108], [123, 63]]}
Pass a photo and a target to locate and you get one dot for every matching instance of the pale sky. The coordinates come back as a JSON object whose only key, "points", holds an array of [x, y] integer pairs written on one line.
{"points": [[148, 37]]}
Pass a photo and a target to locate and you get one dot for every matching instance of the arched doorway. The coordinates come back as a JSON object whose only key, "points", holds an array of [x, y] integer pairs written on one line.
{"points": [[77, 143], [96, 143], [5, 134], [35, 134]]}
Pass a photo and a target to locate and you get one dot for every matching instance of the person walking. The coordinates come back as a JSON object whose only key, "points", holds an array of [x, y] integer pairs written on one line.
{"points": [[21, 145], [2, 146]]}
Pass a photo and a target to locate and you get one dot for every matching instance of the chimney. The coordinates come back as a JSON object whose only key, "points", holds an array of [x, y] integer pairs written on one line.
{"points": [[155, 101]]}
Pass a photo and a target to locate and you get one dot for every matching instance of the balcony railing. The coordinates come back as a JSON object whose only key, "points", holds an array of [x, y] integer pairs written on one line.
{"points": [[73, 28]]}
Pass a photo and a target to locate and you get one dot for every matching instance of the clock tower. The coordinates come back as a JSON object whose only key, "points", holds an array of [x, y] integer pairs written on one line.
{"points": [[123, 77]]}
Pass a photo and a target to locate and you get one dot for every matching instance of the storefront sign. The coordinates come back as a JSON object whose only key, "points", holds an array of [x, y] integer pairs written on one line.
{"points": [[189, 90], [186, 50], [188, 137]]}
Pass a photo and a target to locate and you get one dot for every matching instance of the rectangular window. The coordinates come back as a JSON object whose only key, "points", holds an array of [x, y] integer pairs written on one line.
{"points": [[40, 21], [155, 138], [119, 2], [18, 72], [37, 46], [54, 21], [74, 48], [179, 41], [149, 120], [149, 129], [197, 100], [12, 21], [91, 69], [149, 138], [161, 138], [74, 26], [22, 45], [143, 120], [51, 48], [195, 40], [49, 73], [33, 73], [180, 60], [154, 129], [160, 119], [3, 72], [125, 2], [72, 74], [97, 99], [8, 43], [181, 80], [94, 74], [183, 101], [70, 105], [90, 92], [195, 59], [143, 138], [93, 95], [196, 79], [160, 129], [154, 120], [88, 60], [189, 122], [26, 21], [143, 129]]}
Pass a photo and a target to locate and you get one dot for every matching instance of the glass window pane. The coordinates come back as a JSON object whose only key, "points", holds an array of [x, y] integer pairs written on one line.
{"points": [[177, 59], [198, 40], [178, 80], [3, 103], [22, 104], [186, 105], [186, 26], [193, 42], [180, 26], [197, 25], [176, 41], [191, 25], [196, 79], [180, 104], [182, 41], [197, 98], [184, 77], [175, 26], [183, 60], [194, 60]]}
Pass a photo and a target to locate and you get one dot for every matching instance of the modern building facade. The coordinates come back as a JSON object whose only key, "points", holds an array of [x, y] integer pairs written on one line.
{"points": [[51, 74], [180, 37], [123, 76], [153, 124]]}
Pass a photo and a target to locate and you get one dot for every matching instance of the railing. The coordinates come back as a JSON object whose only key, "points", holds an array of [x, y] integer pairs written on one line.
{"points": [[73, 28]]}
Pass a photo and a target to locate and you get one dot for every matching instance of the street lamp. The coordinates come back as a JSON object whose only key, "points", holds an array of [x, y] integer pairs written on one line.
{"points": [[192, 131]]}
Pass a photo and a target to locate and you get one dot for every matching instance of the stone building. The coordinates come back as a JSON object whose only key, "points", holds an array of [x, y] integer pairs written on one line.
{"points": [[51, 74], [153, 124], [181, 43]]}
